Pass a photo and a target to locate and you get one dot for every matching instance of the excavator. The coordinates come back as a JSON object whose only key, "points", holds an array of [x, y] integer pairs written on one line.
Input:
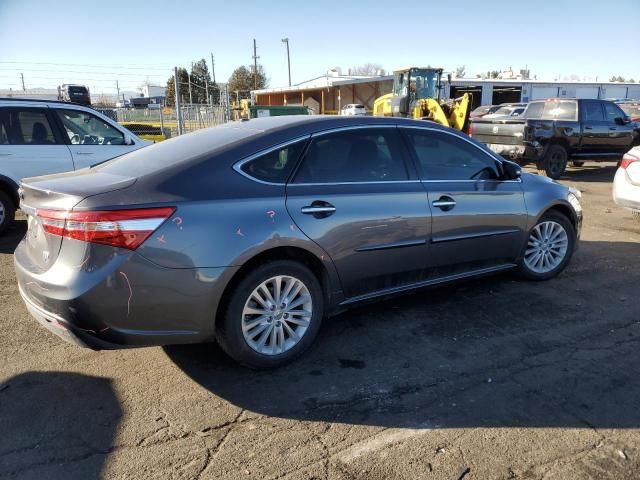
{"points": [[416, 94]]}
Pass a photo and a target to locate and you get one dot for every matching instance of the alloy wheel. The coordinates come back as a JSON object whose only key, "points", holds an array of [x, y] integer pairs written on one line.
{"points": [[547, 247], [276, 315]]}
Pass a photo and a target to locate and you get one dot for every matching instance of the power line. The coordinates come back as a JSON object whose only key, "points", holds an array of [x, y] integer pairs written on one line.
{"points": [[135, 66], [78, 71]]}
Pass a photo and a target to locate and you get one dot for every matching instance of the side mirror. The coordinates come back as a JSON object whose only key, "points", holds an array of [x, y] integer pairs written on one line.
{"points": [[512, 171], [622, 120], [128, 140]]}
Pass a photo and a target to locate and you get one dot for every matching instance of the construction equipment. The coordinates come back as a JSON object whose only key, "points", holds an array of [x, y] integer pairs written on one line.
{"points": [[416, 94]]}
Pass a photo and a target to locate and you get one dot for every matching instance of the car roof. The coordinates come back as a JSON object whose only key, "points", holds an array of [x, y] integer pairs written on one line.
{"points": [[312, 123], [36, 102]]}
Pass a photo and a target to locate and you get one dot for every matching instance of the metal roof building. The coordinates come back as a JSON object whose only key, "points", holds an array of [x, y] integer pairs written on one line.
{"points": [[329, 93]]}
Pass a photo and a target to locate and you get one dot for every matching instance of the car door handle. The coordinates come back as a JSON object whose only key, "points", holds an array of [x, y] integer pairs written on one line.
{"points": [[84, 153], [612, 128], [444, 203], [588, 128], [5, 154], [313, 209]]}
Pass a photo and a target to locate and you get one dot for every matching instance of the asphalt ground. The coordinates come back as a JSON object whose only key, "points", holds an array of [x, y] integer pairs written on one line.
{"points": [[491, 378]]}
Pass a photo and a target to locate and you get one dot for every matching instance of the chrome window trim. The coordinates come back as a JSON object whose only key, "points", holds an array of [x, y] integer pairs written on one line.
{"points": [[489, 154], [238, 165], [349, 183], [353, 127]]}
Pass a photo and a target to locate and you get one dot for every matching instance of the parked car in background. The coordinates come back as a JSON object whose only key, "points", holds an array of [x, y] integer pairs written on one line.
{"points": [[631, 108], [251, 232], [626, 183], [551, 132], [510, 110], [353, 109], [44, 137], [74, 93], [483, 110]]}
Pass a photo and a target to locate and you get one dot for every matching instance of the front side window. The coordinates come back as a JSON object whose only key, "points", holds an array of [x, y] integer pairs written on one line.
{"points": [[359, 155], [445, 157], [275, 166], [83, 128], [612, 111]]}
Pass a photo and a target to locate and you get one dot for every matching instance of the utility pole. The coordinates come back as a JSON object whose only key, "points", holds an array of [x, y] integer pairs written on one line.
{"points": [[22, 77], [178, 109], [206, 88], [189, 77], [255, 65], [286, 40], [118, 90], [213, 69]]}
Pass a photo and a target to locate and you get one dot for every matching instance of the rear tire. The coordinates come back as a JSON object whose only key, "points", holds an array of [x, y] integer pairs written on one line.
{"points": [[549, 247], [7, 211], [554, 162], [245, 331]]}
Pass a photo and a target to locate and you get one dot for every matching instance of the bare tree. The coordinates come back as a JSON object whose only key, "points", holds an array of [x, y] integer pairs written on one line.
{"points": [[370, 69], [460, 72]]}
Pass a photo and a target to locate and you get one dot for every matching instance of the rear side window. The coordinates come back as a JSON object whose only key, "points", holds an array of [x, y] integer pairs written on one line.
{"points": [[445, 157], [25, 127], [275, 166], [359, 155], [593, 111], [551, 110]]}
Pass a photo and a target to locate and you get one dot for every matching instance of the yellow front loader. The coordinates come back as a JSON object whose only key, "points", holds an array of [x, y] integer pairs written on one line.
{"points": [[416, 94]]}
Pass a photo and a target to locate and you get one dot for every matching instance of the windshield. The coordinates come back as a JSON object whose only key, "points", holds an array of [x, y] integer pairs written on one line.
{"points": [[551, 110], [424, 83]]}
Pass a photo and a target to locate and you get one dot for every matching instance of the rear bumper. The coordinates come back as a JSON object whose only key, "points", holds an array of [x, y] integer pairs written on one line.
{"points": [[625, 193], [521, 153], [123, 301]]}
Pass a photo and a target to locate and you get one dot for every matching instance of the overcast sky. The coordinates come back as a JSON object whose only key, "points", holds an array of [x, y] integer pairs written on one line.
{"points": [[99, 42]]}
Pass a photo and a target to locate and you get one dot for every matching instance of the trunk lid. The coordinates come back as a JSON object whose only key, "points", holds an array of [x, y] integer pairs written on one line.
{"points": [[58, 192]]}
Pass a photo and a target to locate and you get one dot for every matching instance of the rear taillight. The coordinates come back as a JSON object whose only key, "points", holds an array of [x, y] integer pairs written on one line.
{"points": [[628, 159], [470, 129], [119, 228]]}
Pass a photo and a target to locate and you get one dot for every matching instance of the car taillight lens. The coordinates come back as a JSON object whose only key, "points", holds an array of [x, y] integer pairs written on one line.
{"points": [[627, 160], [119, 228], [470, 129]]}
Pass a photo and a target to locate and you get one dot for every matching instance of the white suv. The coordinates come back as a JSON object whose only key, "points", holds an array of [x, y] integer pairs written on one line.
{"points": [[353, 109], [42, 137]]}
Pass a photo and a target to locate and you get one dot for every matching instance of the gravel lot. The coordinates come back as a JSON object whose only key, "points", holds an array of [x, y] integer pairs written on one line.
{"points": [[493, 378]]}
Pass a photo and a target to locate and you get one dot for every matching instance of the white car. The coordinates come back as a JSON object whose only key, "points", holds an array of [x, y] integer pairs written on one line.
{"points": [[626, 184], [353, 109], [40, 137]]}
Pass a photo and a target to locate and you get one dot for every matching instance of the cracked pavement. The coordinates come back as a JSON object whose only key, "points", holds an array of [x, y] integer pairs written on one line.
{"points": [[489, 379]]}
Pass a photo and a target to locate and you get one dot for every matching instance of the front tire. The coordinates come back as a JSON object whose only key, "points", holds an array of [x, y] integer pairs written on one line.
{"points": [[7, 211], [554, 162], [272, 316], [549, 247]]}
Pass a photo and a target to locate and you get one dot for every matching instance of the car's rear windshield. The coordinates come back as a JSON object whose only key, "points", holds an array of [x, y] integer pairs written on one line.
{"points": [[82, 90], [551, 110], [168, 153]]}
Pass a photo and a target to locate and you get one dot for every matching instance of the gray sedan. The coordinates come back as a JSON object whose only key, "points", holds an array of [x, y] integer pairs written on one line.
{"points": [[250, 233]]}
